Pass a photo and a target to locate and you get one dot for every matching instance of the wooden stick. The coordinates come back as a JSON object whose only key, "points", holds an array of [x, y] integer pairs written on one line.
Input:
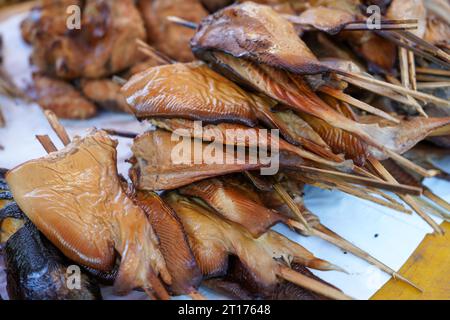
{"points": [[400, 41], [405, 71], [164, 59], [47, 143], [411, 101], [291, 204], [408, 199], [412, 70], [311, 284], [57, 127], [2, 119], [416, 94], [436, 72], [324, 233], [436, 199], [428, 78], [183, 22], [122, 134], [195, 295], [357, 103], [394, 187], [433, 209], [433, 85]]}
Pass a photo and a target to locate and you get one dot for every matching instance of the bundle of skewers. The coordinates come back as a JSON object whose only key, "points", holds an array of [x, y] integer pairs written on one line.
{"points": [[349, 118]]}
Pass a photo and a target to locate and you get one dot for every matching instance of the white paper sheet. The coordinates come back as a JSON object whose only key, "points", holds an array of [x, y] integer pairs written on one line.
{"points": [[388, 235]]}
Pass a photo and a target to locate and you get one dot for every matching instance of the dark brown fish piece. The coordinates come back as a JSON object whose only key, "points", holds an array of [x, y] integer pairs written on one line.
{"points": [[35, 269], [76, 199], [255, 32], [180, 261], [192, 91]]}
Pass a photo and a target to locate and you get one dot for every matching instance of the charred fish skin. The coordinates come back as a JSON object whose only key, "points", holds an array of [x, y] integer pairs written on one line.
{"points": [[36, 270]]}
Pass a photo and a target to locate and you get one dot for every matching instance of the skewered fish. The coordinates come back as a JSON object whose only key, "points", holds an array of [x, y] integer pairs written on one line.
{"points": [[160, 163], [75, 198], [35, 269], [208, 233], [180, 261], [191, 91]]}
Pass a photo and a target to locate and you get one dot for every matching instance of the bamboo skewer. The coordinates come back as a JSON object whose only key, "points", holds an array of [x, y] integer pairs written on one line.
{"points": [[436, 199], [2, 119], [431, 71], [324, 233], [335, 93], [291, 204], [408, 24], [310, 284], [433, 85], [394, 187], [433, 209], [195, 295], [408, 199], [57, 127], [416, 94], [47, 143], [406, 75]]}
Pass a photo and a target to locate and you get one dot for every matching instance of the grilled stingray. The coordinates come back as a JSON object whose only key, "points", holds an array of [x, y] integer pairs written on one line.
{"points": [[161, 161], [230, 198], [75, 198], [213, 239], [35, 269], [191, 91], [180, 260]]}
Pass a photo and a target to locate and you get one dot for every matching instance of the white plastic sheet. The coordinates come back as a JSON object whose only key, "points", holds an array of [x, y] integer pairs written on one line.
{"points": [[388, 235]]}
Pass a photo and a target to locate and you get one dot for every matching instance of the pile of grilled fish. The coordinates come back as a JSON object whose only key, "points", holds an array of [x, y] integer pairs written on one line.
{"points": [[70, 223]]}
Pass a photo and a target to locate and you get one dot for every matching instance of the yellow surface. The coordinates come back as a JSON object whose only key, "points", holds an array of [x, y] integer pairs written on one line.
{"points": [[428, 267]]}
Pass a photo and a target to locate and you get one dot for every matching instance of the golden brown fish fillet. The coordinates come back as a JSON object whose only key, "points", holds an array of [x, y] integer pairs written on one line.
{"points": [[180, 261], [213, 239], [167, 37], [163, 164], [230, 200], [61, 98], [255, 32], [75, 198], [192, 91]]}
